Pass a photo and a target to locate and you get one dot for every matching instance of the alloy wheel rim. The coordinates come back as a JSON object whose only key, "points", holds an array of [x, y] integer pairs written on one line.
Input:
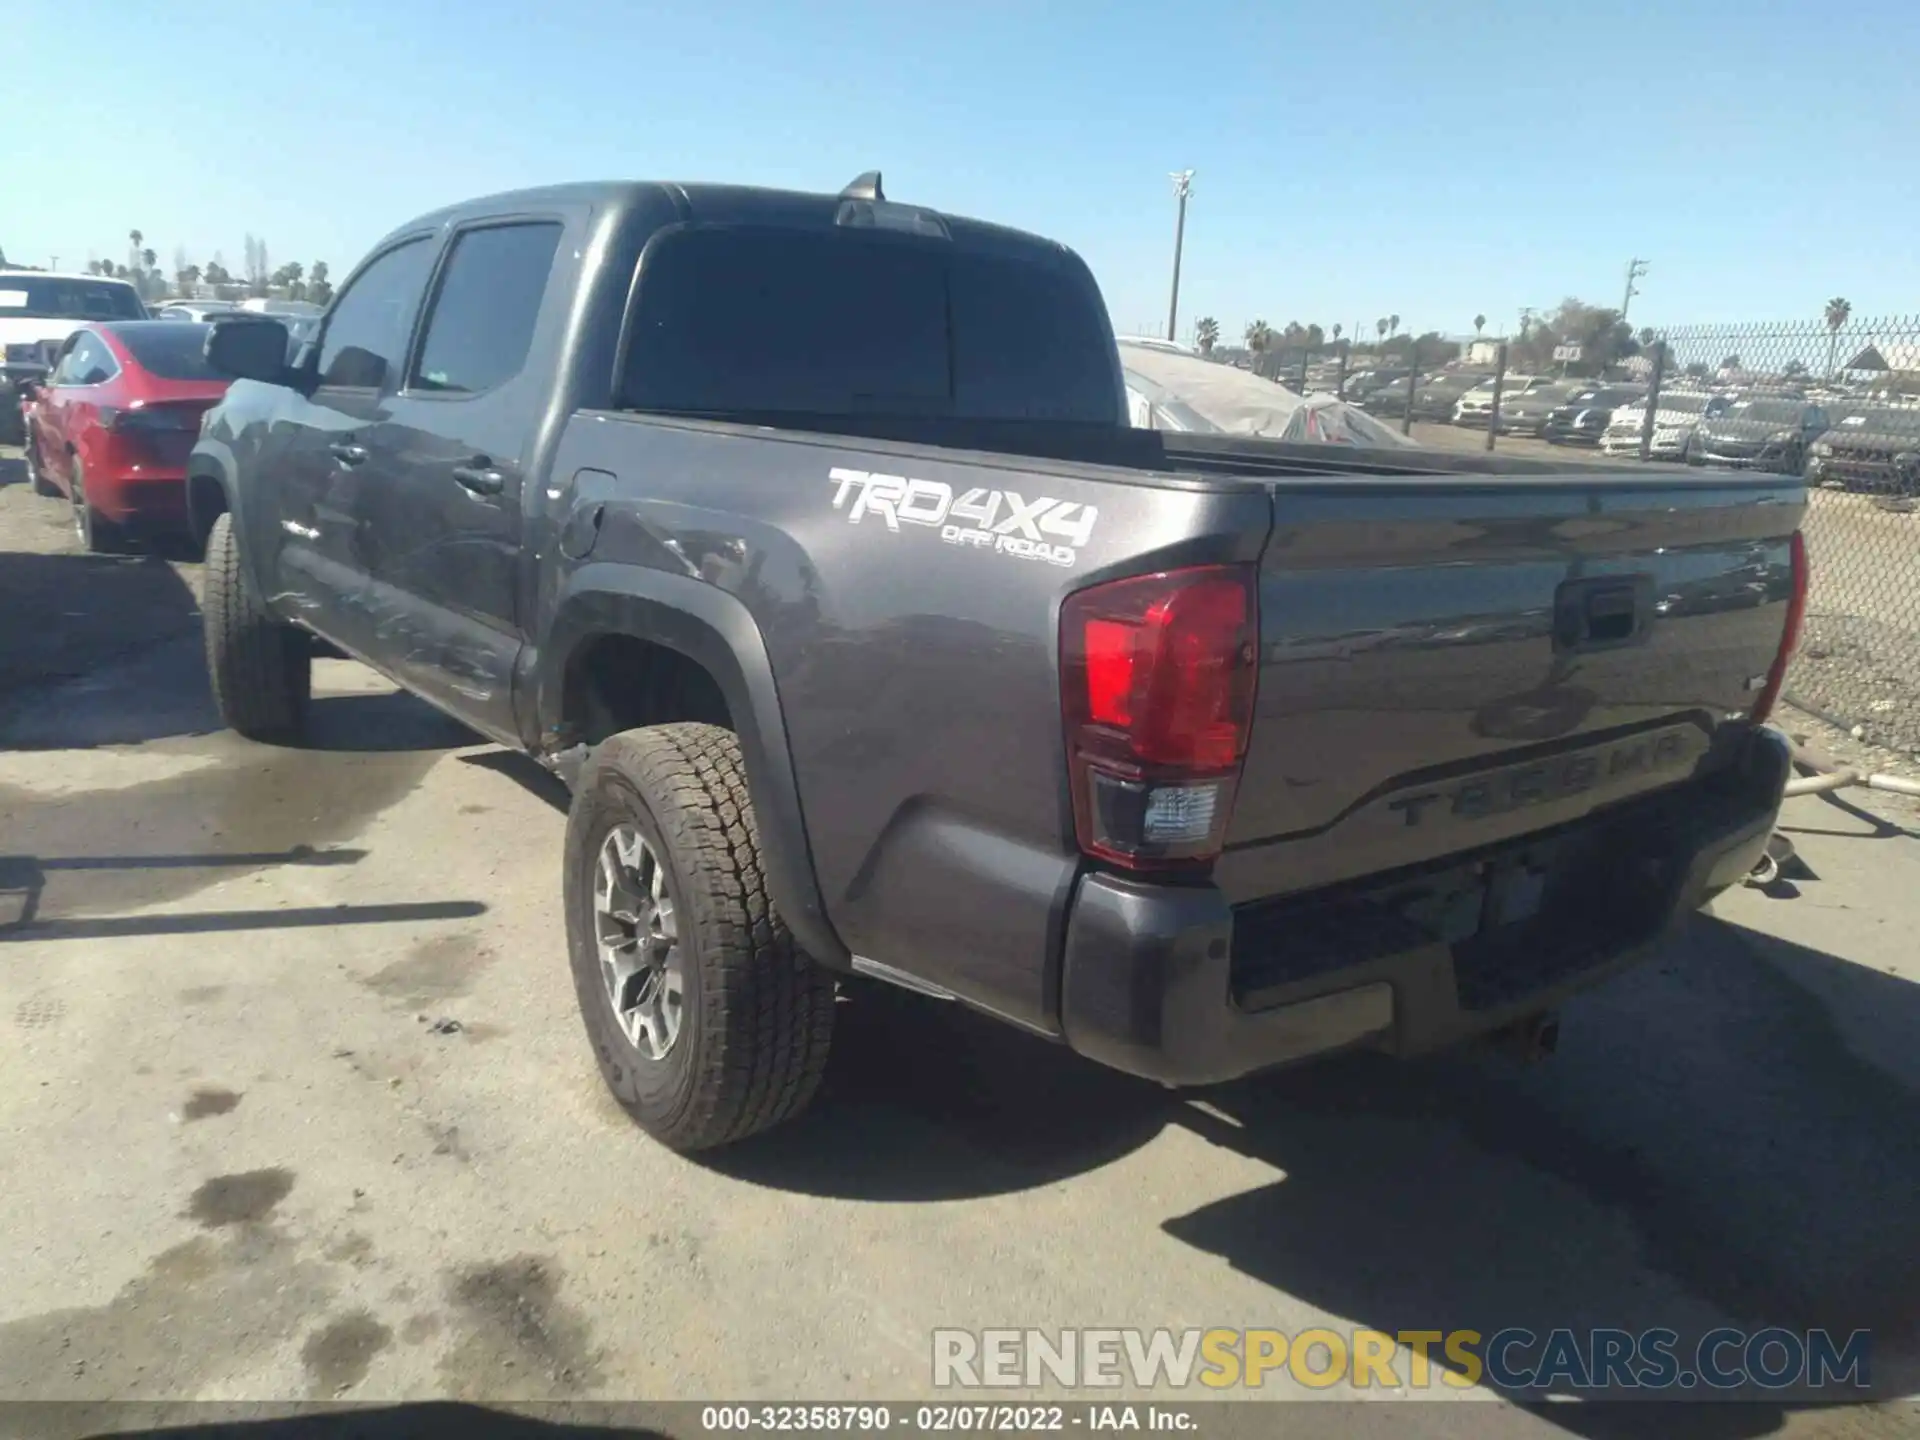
{"points": [[636, 933]]}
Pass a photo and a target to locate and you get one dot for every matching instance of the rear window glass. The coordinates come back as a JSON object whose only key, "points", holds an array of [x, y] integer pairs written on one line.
{"points": [[761, 320], [173, 351], [39, 297]]}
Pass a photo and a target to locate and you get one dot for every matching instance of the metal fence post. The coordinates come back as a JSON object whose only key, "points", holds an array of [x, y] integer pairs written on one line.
{"points": [[1340, 380], [1306, 352], [1653, 397], [1499, 379], [1413, 381]]}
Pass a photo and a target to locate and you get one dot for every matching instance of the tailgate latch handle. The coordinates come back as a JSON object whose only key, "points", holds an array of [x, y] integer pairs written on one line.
{"points": [[1602, 612]]}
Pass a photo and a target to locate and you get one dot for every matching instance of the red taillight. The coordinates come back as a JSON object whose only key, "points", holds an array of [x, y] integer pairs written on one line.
{"points": [[159, 419], [1790, 634], [1157, 676]]}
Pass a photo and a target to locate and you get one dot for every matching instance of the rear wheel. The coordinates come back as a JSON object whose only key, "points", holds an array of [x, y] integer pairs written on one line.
{"points": [[708, 1021], [98, 535], [261, 671], [36, 476]]}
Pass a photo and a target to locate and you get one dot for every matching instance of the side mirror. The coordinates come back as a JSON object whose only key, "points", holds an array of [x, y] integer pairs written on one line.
{"points": [[27, 389], [251, 349]]}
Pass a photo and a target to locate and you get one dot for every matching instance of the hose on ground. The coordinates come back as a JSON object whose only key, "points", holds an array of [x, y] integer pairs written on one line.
{"points": [[1829, 774]]}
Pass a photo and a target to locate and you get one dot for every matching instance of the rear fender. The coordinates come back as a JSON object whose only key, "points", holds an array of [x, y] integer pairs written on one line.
{"points": [[714, 630]]}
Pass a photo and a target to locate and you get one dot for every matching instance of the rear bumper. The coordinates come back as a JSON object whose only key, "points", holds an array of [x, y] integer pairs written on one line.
{"points": [[1172, 983], [152, 497]]}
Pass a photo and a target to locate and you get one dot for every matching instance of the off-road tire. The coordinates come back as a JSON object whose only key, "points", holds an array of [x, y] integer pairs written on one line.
{"points": [[36, 476], [757, 1014], [260, 669]]}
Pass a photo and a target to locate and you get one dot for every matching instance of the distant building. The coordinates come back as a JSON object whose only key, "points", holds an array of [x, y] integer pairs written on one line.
{"points": [[1483, 352], [1897, 355]]}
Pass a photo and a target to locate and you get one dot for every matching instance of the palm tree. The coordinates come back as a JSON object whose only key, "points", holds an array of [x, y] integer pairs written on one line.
{"points": [[1393, 325], [1380, 327], [1206, 333], [1479, 324], [1259, 336], [1839, 311], [1336, 331]]}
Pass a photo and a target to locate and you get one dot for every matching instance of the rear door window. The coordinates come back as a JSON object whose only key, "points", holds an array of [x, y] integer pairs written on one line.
{"points": [[480, 329], [752, 319]]}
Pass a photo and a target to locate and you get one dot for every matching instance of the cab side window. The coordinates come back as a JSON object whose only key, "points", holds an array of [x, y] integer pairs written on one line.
{"points": [[480, 329], [365, 343]]}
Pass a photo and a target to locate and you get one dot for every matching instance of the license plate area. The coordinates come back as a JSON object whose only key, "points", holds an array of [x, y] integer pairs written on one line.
{"points": [[1515, 918]]}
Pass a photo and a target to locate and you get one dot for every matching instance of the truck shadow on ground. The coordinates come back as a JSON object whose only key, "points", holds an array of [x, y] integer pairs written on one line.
{"points": [[162, 691], [66, 614], [106, 650], [1707, 1148], [24, 880]]}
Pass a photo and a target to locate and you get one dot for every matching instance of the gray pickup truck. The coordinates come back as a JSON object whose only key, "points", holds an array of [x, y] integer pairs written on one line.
{"points": [[806, 538]]}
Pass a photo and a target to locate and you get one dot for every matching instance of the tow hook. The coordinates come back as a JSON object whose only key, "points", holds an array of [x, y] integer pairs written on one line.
{"points": [[1528, 1040]]}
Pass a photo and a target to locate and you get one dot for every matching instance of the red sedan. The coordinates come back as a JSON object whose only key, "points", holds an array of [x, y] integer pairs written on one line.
{"points": [[112, 424]]}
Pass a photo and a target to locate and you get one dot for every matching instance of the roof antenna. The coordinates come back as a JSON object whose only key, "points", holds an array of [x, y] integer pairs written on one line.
{"points": [[865, 187]]}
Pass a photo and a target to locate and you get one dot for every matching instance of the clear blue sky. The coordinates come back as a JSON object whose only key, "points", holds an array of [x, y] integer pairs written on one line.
{"points": [[1428, 157]]}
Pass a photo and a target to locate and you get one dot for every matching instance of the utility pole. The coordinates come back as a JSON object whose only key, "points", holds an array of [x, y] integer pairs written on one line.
{"points": [[1182, 188], [1635, 269]]}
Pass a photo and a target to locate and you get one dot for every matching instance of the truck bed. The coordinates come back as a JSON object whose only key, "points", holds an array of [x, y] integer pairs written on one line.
{"points": [[1408, 613]]}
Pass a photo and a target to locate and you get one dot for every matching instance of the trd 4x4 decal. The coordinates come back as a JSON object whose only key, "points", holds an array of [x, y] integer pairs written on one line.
{"points": [[1001, 520]]}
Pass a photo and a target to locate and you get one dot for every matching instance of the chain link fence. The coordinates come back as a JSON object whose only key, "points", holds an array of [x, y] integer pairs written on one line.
{"points": [[1839, 403]]}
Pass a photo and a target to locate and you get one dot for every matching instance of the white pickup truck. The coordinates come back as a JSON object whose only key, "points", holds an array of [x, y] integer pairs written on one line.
{"points": [[37, 311]]}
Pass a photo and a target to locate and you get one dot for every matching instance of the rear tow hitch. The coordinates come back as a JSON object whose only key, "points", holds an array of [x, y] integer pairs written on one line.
{"points": [[1775, 862], [1528, 1040]]}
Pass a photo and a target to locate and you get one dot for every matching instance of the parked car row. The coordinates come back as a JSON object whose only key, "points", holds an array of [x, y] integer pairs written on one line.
{"points": [[1840, 442], [1678, 415], [105, 395], [109, 427]]}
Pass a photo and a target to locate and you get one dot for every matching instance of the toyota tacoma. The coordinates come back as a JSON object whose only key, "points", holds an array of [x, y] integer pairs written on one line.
{"points": [[805, 537]]}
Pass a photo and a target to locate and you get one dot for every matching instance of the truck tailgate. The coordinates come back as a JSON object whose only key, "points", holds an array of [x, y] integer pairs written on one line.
{"points": [[1449, 661]]}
